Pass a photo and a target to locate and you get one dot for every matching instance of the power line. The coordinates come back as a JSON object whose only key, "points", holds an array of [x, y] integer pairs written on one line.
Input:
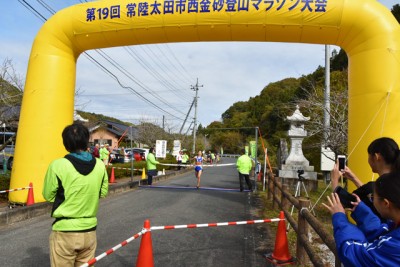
{"points": [[133, 79], [32, 9], [153, 72], [102, 67]]}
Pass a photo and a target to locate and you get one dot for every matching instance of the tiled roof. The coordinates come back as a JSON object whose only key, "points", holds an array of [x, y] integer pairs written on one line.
{"points": [[119, 129]]}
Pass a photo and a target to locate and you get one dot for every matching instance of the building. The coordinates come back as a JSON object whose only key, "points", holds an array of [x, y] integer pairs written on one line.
{"points": [[114, 134]]}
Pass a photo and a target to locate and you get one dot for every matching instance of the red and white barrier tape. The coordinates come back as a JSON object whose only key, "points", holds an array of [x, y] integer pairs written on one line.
{"points": [[120, 168], [171, 227], [16, 189], [111, 250], [205, 165]]}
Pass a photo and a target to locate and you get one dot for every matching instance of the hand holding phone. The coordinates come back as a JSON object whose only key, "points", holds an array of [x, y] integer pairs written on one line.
{"points": [[342, 162], [345, 197]]}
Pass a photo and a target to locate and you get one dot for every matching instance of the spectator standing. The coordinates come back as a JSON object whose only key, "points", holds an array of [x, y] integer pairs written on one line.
{"points": [[244, 166], [74, 184], [151, 164], [179, 159], [96, 152], [122, 152], [101, 153], [104, 154], [109, 150], [185, 159], [383, 157], [371, 242], [212, 158]]}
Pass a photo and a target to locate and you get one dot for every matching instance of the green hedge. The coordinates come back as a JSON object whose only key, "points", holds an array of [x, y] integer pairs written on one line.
{"points": [[138, 167], [4, 183]]}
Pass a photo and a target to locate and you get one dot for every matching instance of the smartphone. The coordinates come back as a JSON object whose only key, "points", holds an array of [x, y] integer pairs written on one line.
{"points": [[342, 162], [345, 197]]}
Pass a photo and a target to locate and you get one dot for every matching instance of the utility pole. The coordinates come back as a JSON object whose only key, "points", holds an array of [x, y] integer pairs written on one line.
{"points": [[187, 115], [327, 92], [326, 152], [196, 89]]}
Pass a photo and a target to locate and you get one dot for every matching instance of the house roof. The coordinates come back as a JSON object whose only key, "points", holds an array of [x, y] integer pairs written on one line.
{"points": [[118, 129]]}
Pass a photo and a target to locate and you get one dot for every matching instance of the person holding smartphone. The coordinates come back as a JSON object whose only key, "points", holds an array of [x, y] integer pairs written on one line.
{"points": [[383, 157], [370, 242]]}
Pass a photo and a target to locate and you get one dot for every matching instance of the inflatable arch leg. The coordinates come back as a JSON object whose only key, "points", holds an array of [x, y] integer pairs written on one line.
{"points": [[365, 29]]}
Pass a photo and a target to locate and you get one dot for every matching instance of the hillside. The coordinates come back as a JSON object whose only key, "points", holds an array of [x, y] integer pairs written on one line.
{"points": [[276, 101]]}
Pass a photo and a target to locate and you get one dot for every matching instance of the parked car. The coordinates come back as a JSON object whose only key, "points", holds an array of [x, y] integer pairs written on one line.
{"points": [[117, 157], [139, 154], [8, 155], [142, 151]]}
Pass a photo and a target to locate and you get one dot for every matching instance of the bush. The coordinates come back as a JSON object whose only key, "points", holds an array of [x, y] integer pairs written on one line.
{"points": [[124, 169], [4, 184]]}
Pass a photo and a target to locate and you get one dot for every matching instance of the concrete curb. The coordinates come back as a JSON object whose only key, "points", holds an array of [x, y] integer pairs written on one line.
{"points": [[21, 213]]}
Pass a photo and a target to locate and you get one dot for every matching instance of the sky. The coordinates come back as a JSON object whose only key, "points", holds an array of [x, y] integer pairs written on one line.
{"points": [[164, 74]]}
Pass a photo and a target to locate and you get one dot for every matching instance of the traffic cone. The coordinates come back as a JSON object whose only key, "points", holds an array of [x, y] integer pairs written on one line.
{"points": [[31, 200], [281, 254], [112, 178], [145, 256], [144, 174]]}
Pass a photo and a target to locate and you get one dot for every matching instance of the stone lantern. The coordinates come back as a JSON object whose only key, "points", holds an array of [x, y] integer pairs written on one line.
{"points": [[296, 161]]}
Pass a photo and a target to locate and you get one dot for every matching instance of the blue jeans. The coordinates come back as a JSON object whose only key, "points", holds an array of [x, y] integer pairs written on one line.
{"points": [[150, 174]]}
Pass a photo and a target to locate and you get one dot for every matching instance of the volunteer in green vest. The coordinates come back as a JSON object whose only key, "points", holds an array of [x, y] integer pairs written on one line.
{"points": [[185, 159], [151, 163], [244, 165], [74, 184], [104, 154]]}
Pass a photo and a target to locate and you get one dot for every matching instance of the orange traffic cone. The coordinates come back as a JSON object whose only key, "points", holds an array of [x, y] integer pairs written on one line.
{"points": [[31, 199], [112, 178], [281, 254], [145, 257]]}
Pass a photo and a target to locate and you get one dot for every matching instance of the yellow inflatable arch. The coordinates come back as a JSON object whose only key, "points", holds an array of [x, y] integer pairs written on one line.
{"points": [[365, 29]]}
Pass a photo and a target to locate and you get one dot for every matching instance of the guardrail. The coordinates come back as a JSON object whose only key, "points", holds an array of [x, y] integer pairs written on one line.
{"points": [[280, 195]]}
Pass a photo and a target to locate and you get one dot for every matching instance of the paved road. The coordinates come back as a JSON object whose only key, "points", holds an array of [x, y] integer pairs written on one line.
{"points": [[122, 215]]}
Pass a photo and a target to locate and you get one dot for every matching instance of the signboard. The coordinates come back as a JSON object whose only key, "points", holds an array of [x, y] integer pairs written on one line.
{"points": [[161, 148], [177, 147], [327, 159], [252, 148]]}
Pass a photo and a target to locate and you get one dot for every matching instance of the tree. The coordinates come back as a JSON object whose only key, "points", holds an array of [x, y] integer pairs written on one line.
{"points": [[339, 60], [148, 133], [396, 12], [314, 106], [11, 90], [231, 142]]}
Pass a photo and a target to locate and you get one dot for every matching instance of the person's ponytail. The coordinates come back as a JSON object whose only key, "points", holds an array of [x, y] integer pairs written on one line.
{"points": [[388, 149]]}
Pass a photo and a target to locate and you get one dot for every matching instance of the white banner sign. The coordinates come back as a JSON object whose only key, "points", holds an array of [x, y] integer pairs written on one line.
{"points": [[161, 148], [177, 147]]}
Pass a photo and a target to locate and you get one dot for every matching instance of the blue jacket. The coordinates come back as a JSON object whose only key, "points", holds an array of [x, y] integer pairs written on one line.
{"points": [[370, 243]]}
